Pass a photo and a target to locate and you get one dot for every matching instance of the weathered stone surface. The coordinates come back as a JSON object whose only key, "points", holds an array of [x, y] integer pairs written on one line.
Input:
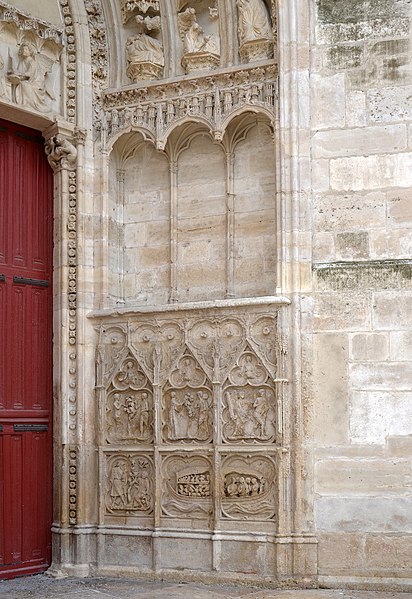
{"points": [[392, 310], [330, 388], [375, 415], [333, 33], [390, 104], [364, 514], [352, 11], [389, 554], [360, 141], [370, 476], [371, 172], [369, 346], [333, 314], [346, 211], [389, 376], [328, 101], [399, 445], [351, 246]]}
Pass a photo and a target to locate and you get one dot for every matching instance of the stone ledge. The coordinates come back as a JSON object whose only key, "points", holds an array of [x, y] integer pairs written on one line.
{"points": [[269, 300]]}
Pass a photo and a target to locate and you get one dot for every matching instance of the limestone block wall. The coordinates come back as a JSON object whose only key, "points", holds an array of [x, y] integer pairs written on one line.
{"points": [[362, 238]]}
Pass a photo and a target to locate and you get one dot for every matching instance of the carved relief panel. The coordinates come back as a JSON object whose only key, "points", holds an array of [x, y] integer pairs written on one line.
{"points": [[129, 405], [187, 486], [249, 403], [187, 404], [201, 387], [30, 52], [249, 487], [129, 485]]}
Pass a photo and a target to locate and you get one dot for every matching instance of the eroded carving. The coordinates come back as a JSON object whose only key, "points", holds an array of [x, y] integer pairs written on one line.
{"points": [[187, 488], [158, 346], [30, 83], [254, 30], [144, 53], [3, 86], [187, 400], [155, 376], [129, 485], [217, 344], [200, 51], [129, 405], [249, 402], [248, 487], [157, 107], [60, 152]]}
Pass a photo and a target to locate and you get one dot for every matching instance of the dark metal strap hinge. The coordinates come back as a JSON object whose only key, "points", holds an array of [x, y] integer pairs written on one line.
{"points": [[24, 281], [33, 428]]}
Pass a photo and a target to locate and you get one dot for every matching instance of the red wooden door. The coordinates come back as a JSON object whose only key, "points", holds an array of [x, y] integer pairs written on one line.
{"points": [[25, 352]]}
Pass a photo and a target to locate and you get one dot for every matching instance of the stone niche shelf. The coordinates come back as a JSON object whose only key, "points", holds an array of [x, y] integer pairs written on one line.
{"points": [[193, 438]]}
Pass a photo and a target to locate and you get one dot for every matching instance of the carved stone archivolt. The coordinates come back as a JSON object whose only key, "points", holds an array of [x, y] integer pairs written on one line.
{"points": [[194, 386]]}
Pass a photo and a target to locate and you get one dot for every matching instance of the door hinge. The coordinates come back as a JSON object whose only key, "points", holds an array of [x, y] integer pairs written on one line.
{"points": [[25, 281], [33, 428]]}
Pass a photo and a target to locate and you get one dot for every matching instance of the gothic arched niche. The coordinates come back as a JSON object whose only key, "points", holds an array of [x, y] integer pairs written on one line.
{"points": [[254, 206], [139, 221], [200, 214]]}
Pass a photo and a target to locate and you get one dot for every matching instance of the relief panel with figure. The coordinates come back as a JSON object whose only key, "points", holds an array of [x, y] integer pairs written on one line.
{"points": [[249, 487], [187, 486], [187, 404], [129, 406], [249, 403], [129, 484]]}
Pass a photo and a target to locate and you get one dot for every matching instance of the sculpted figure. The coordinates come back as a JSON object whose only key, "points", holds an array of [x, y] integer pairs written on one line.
{"points": [[194, 39], [29, 81], [118, 485], [3, 88], [143, 50], [254, 22], [177, 419], [261, 405], [60, 151]]}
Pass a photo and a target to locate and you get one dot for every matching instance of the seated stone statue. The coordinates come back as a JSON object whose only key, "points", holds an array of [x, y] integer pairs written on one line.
{"points": [[29, 80], [254, 22], [144, 53]]}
